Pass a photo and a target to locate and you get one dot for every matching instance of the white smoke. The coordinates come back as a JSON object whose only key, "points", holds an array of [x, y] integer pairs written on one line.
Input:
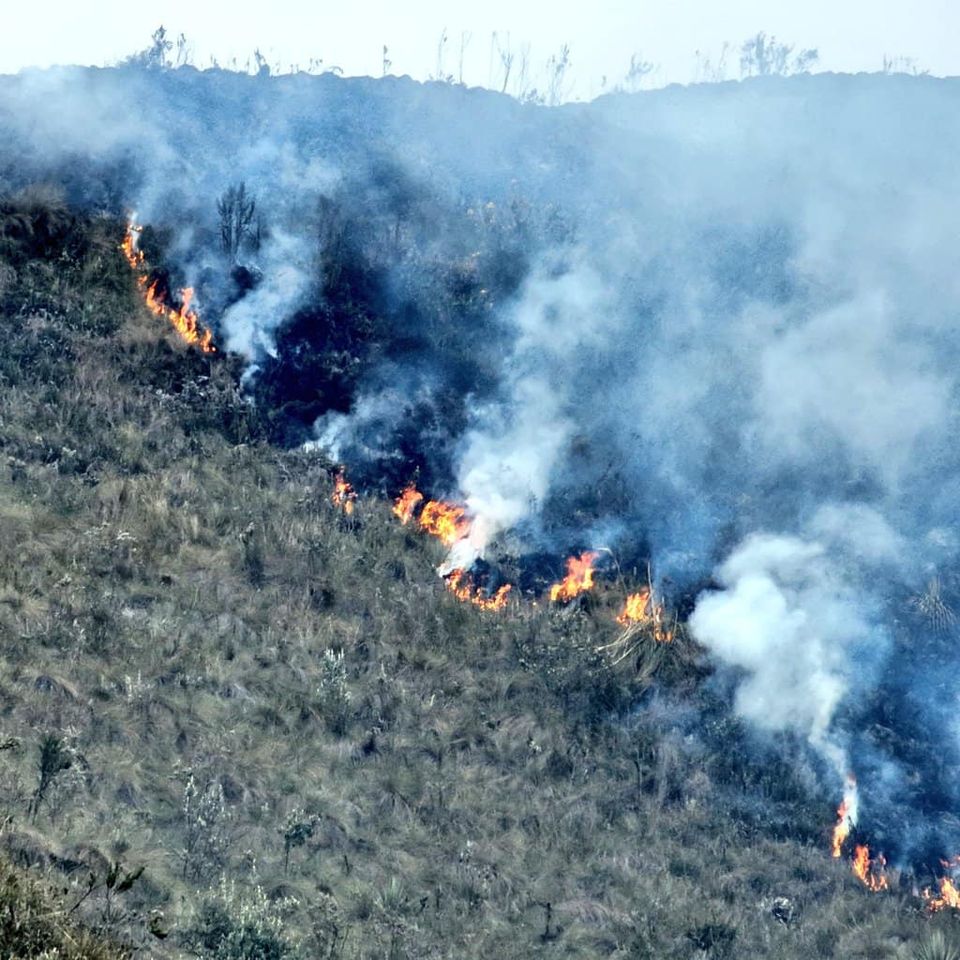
{"points": [[508, 460], [505, 473], [792, 620], [249, 325]]}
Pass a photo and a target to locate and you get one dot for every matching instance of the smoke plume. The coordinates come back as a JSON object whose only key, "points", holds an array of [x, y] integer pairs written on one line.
{"points": [[713, 328]]}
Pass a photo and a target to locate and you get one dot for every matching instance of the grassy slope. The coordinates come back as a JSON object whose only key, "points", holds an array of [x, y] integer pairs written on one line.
{"points": [[169, 589]]}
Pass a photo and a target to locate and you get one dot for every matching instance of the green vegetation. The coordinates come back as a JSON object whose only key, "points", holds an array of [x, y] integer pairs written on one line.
{"points": [[238, 723]]}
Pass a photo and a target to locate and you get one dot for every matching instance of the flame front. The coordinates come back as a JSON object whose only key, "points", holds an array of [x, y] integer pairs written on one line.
{"points": [[405, 505], [642, 608], [949, 896], [445, 521], [869, 872], [343, 496], [184, 320], [578, 580], [461, 586]]}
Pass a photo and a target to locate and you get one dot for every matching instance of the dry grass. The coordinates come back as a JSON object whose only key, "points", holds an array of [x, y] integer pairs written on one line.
{"points": [[476, 784]]}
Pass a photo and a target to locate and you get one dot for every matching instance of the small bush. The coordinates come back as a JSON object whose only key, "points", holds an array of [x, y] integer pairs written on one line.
{"points": [[235, 925]]}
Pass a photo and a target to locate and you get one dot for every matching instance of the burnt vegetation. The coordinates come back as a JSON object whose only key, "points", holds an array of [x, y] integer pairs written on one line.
{"points": [[239, 723]]}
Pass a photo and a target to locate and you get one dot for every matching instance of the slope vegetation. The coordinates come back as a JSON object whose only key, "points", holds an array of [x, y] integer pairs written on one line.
{"points": [[237, 722]]}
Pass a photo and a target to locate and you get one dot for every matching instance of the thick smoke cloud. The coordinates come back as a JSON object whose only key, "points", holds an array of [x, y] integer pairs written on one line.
{"points": [[712, 327]]}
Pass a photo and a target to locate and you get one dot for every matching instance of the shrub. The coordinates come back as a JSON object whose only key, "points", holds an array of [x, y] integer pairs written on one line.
{"points": [[236, 925], [332, 692], [206, 828]]}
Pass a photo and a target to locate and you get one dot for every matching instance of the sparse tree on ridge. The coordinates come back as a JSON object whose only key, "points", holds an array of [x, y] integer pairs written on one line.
{"points": [[763, 56], [157, 55]]}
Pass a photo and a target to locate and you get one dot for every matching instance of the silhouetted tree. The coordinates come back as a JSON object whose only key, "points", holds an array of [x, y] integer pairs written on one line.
{"points": [[156, 56], [238, 224]]}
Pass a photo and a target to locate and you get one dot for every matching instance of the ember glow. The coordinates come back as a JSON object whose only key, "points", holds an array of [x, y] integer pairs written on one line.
{"points": [[869, 872], [343, 496], [406, 504], [579, 578], [642, 609], [183, 319], [445, 521], [462, 587]]}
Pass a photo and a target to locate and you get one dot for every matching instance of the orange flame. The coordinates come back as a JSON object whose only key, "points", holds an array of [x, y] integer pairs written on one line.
{"points": [[129, 247], [841, 831], [642, 608], [184, 320], [343, 496], [446, 521], [869, 872], [636, 608], [846, 816], [461, 586], [578, 580], [949, 896], [406, 503]]}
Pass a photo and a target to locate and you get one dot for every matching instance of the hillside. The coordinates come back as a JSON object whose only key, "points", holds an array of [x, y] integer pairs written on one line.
{"points": [[696, 349], [276, 712]]}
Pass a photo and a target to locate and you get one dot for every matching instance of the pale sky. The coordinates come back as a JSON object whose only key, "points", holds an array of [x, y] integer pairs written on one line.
{"points": [[851, 35]]}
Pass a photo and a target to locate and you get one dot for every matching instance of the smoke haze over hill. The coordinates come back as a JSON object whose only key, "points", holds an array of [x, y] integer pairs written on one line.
{"points": [[711, 327]]}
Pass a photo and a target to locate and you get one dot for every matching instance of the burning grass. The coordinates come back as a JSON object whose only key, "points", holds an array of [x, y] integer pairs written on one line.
{"points": [[343, 495], [579, 578], [947, 898], [190, 619], [447, 522], [406, 504], [846, 817], [182, 318]]}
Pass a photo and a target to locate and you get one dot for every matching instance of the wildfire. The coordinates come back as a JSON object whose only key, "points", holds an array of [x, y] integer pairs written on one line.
{"points": [[461, 586], [184, 320], [642, 608], [578, 580], [869, 872], [846, 816], [445, 521], [449, 523], [129, 247], [949, 896], [343, 496], [405, 505]]}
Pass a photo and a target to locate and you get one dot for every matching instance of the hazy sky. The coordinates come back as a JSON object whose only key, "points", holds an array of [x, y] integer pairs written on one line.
{"points": [[851, 35]]}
